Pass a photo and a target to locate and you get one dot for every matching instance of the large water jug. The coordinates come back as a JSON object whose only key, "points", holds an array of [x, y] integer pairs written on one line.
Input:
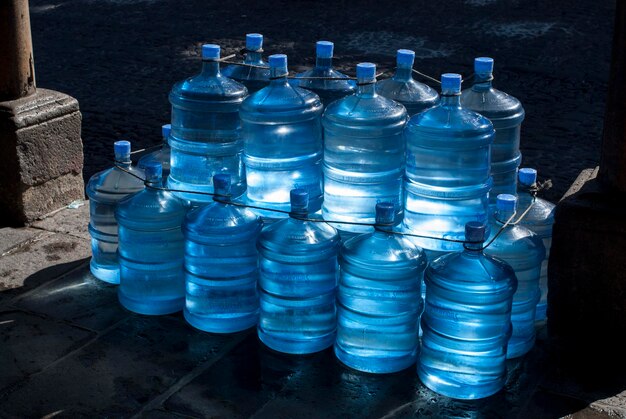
{"points": [[297, 281], [162, 155], [447, 170], [539, 220], [282, 142], [206, 131], [524, 251], [255, 75], [151, 248], [105, 189], [402, 88], [379, 299], [466, 321], [221, 264], [506, 114], [363, 154], [317, 81]]}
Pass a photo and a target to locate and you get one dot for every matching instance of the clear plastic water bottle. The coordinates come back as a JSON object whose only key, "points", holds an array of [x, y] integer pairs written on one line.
{"points": [[524, 251], [379, 299], [506, 114], [151, 249], [221, 264], [256, 75], [105, 189], [402, 88], [327, 90], [466, 321], [539, 220], [363, 154], [282, 142], [206, 131], [447, 170], [161, 155], [298, 280]]}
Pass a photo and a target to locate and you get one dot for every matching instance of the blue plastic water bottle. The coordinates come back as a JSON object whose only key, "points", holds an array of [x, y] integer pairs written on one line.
{"points": [[105, 189], [327, 90], [206, 131], [221, 264], [282, 142], [161, 155], [363, 154], [151, 249], [298, 280], [447, 170], [506, 114], [539, 220], [402, 88], [524, 251], [256, 75], [379, 299], [466, 321]]}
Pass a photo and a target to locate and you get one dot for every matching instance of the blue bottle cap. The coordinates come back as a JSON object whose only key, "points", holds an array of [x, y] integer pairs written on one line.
{"points": [[153, 170], [278, 61], [122, 147], [221, 183], [324, 49], [366, 71], [451, 83], [210, 51], [254, 41], [299, 199], [527, 176], [405, 58], [475, 231], [165, 130], [385, 213], [506, 202], [483, 65]]}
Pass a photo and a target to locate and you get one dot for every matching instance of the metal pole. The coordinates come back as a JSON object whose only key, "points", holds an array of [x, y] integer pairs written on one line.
{"points": [[612, 171], [17, 69]]}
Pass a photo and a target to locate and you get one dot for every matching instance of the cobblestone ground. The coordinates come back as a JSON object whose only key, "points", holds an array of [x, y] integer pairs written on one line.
{"points": [[119, 58]]}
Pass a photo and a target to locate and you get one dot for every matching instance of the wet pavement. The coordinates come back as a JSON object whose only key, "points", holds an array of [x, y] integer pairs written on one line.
{"points": [[119, 58], [68, 349]]}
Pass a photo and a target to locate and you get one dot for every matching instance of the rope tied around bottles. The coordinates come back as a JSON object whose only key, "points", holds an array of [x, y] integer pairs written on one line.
{"points": [[386, 227]]}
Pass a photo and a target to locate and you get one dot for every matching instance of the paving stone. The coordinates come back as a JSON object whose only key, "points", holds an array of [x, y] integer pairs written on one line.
{"points": [[30, 342], [72, 221], [237, 385], [78, 298], [323, 388], [119, 372], [10, 238], [47, 258], [549, 405]]}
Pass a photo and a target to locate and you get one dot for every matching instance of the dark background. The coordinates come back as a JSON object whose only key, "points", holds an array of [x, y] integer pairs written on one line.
{"points": [[119, 58]]}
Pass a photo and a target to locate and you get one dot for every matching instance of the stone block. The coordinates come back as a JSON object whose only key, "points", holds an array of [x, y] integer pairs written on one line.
{"points": [[587, 274], [41, 155]]}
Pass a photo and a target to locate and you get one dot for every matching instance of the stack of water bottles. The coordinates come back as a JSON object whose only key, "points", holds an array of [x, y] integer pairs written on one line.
{"points": [[335, 211]]}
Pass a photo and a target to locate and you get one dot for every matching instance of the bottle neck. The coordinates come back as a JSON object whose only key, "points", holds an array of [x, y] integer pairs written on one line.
{"points": [[123, 160], [403, 73], [157, 181], [502, 216], [253, 57], [221, 196], [281, 74], [524, 195], [323, 62], [210, 68], [474, 249], [368, 89], [451, 100], [297, 212], [482, 82]]}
